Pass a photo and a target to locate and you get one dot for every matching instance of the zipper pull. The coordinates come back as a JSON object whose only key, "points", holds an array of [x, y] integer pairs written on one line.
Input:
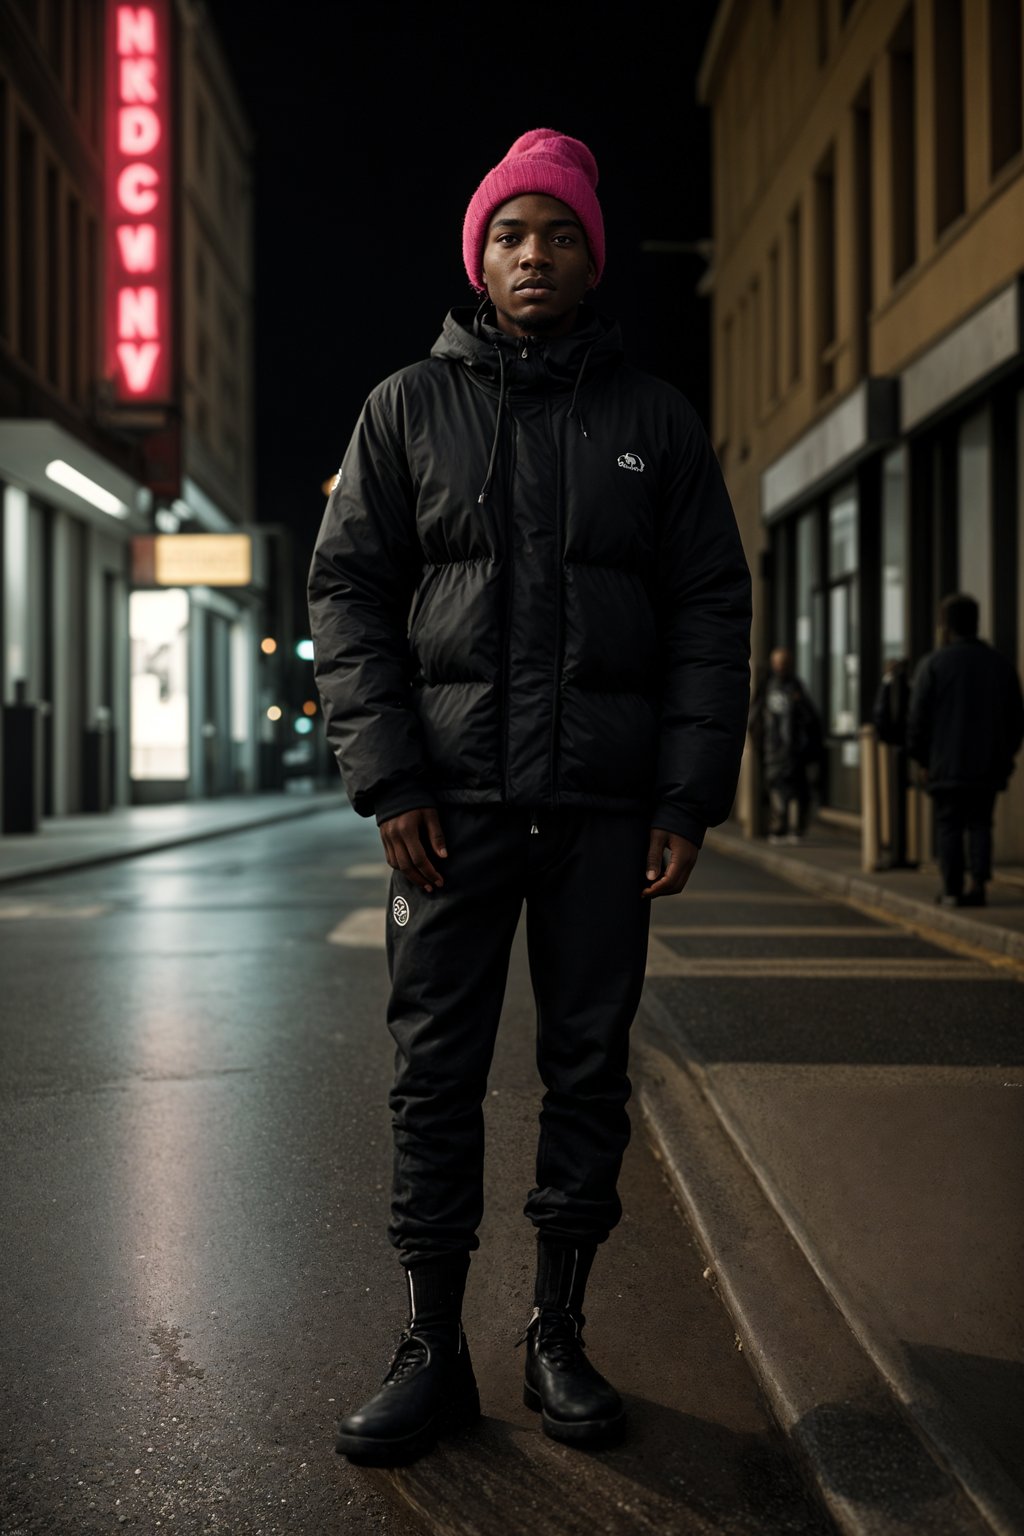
{"points": [[524, 353], [534, 829]]}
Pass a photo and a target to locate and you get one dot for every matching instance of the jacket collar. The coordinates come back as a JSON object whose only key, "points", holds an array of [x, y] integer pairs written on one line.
{"points": [[470, 337]]}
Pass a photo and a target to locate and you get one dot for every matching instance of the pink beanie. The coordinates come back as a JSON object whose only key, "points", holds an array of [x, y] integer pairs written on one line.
{"points": [[540, 161]]}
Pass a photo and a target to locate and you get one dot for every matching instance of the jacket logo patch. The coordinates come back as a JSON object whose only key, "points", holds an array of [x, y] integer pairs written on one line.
{"points": [[631, 461], [400, 911]]}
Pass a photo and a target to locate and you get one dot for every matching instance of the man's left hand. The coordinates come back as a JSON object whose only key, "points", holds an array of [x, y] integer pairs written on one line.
{"points": [[682, 856]]}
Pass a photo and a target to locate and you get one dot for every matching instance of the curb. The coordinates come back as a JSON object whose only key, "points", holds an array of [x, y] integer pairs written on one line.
{"points": [[160, 844], [863, 1456], [867, 892]]}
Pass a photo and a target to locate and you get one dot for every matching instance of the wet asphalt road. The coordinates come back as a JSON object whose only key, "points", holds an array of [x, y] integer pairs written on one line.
{"points": [[195, 1276]]}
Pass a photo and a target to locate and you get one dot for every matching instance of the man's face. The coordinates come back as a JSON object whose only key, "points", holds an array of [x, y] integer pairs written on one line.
{"points": [[781, 662], [537, 266]]}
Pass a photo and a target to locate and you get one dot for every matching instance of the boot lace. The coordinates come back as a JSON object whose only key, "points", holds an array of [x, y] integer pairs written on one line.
{"points": [[558, 1334], [408, 1357]]}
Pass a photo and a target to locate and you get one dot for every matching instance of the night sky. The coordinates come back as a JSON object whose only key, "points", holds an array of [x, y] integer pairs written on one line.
{"points": [[373, 125]]}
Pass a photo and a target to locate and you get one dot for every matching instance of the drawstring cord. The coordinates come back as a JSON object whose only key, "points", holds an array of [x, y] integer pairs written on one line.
{"points": [[478, 318], [579, 380], [485, 489]]}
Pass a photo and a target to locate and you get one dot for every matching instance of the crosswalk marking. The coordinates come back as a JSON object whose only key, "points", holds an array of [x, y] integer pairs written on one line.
{"points": [[16, 911], [378, 870], [776, 931], [363, 928], [663, 961], [766, 899]]}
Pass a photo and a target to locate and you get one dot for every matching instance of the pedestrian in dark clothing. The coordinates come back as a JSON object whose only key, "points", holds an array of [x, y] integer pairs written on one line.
{"points": [[530, 611], [785, 728], [965, 729]]}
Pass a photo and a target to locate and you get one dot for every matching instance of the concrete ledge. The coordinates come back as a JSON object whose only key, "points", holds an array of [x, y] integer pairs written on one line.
{"points": [[949, 1435], [861, 1453], [869, 892], [499, 1480]]}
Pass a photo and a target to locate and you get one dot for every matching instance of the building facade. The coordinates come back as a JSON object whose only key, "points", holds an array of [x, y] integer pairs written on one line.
{"points": [[125, 401], [867, 337]]}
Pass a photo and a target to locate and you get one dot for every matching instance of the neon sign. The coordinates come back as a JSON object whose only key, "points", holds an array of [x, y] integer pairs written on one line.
{"points": [[139, 203]]}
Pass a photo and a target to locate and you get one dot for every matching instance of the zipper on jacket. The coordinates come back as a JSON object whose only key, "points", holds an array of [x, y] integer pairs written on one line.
{"points": [[510, 557], [556, 701]]}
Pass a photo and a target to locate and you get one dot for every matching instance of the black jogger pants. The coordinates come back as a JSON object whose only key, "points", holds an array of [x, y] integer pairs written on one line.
{"points": [[581, 873], [960, 811]]}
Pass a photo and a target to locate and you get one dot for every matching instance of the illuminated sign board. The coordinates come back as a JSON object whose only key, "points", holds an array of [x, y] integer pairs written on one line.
{"points": [[192, 560], [139, 202]]}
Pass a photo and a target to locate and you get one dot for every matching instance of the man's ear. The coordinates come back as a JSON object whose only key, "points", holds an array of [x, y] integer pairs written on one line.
{"points": [[591, 274]]}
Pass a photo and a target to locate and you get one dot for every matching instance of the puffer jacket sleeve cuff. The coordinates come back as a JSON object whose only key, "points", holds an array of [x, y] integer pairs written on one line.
{"points": [[671, 819], [404, 797]]}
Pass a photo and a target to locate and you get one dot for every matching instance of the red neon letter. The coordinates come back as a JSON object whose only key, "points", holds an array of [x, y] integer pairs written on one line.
{"points": [[131, 188], [138, 130], [136, 29], [137, 244], [138, 363], [138, 79], [136, 313], [139, 216]]}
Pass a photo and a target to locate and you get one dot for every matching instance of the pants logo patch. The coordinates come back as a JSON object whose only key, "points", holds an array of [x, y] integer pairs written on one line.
{"points": [[400, 911]]}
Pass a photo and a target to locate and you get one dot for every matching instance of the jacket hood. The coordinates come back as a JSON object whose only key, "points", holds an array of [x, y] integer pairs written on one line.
{"points": [[469, 336]]}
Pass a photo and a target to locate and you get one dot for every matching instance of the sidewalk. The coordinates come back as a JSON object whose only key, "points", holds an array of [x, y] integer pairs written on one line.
{"points": [[829, 863], [849, 1153], [74, 842]]}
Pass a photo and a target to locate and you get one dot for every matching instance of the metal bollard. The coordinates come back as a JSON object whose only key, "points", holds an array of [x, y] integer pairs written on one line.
{"points": [[22, 763], [868, 798]]}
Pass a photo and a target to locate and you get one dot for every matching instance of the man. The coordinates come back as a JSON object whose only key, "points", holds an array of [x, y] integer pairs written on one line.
{"points": [[965, 729], [530, 611], [785, 727]]}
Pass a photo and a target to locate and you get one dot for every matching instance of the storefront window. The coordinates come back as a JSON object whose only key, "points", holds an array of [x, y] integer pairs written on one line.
{"points": [[843, 659], [159, 640], [806, 580], [894, 556], [842, 533], [15, 568], [974, 516], [844, 654]]}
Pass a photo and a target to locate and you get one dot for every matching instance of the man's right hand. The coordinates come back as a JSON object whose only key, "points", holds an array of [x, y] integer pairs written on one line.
{"points": [[408, 840]]}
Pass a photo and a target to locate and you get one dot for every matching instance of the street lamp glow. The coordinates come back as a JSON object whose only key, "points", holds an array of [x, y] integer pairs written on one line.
{"points": [[274, 712], [304, 650], [303, 725], [96, 495], [309, 708], [268, 646]]}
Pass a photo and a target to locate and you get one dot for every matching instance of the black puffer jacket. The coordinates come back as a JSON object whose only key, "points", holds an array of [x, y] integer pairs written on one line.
{"points": [[529, 588], [966, 717]]}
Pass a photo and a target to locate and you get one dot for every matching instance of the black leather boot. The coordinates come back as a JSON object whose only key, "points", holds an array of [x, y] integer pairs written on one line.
{"points": [[577, 1405], [430, 1388]]}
